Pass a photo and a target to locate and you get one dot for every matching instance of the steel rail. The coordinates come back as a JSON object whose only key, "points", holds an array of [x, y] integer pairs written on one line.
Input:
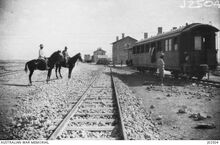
{"points": [[208, 82], [119, 108], [65, 121], [78, 110]]}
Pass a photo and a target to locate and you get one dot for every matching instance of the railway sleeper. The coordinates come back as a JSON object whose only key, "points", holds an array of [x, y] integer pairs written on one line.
{"points": [[96, 111], [96, 114], [94, 120], [99, 101], [99, 91], [98, 94], [82, 108], [99, 98], [93, 123], [98, 105], [96, 134], [92, 128], [101, 87], [94, 117]]}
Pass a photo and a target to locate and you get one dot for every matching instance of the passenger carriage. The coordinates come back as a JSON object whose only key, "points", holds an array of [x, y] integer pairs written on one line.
{"points": [[197, 40]]}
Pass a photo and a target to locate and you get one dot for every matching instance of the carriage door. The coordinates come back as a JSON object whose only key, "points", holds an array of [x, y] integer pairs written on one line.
{"points": [[200, 57], [153, 53], [209, 49]]}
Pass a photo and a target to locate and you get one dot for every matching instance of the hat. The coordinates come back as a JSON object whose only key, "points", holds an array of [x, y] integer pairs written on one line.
{"points": [[41, 45], [161, 55]]}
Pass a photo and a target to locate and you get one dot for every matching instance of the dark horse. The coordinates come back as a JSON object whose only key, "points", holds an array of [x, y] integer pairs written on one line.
{"points": [[70, 64], [38, 64]]}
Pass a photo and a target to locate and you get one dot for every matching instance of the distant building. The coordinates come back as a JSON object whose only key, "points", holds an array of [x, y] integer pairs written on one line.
{"points": [[87, 58], [99, 53], [120, 48]]}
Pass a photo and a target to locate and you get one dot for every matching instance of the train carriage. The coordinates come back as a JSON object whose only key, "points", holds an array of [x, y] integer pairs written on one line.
{"points": [[195, 41]]}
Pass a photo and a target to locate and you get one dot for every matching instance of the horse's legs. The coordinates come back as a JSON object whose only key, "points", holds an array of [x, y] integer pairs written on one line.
{"points": [[56, 71], [70, 71], [31, 73], [60, 72], [49, 74]]}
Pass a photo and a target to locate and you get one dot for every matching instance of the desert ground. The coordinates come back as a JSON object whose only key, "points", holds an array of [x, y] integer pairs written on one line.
{"points": [[32, 112], [176, 109]]}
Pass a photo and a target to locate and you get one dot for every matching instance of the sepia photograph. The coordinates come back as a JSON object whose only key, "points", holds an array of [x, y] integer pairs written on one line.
{"points": [[104, 70]]}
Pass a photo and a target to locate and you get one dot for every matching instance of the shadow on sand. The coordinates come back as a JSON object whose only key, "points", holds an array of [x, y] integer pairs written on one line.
{"points": [[23, 85], [45, 80], [135, 78], [16, 85]]}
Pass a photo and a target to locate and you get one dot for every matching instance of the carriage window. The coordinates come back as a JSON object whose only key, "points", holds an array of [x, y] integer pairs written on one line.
{"points": [[133, 50], [152, 51], [138, 49], [166, 45], [170, 44], [142, 48], [198, 42], [175, 44], [159, 45], [146, 48]]}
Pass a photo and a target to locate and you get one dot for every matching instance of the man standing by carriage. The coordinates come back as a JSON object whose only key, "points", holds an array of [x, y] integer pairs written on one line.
{"points": [[65, 55], [161, 66]]}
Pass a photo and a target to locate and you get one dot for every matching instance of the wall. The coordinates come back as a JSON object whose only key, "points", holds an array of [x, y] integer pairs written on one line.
{"points": [[120, 50]]}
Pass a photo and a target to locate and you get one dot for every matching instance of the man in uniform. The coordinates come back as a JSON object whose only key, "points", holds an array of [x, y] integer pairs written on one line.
{"points": [[66, 55], [41, 55], [161, 66], [186, 62]]}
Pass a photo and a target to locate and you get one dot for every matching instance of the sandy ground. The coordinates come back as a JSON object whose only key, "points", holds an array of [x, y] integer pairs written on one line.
{"points": [[33, 112], [174, 107]]}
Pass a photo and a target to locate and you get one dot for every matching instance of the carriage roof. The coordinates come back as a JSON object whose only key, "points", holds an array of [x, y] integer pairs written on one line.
{"points": [[176, 32]]}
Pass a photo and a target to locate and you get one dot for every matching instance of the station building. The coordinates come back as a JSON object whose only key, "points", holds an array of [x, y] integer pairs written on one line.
{"points": [[99, 53], [120, 49]]}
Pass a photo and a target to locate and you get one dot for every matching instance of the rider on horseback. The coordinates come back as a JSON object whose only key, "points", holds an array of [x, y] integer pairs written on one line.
{"points": [[65, 55], [41, 56]]}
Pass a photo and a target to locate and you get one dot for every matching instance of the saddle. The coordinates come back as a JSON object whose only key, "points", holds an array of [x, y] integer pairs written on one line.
{"points": [[66, 61], [42, 62]]}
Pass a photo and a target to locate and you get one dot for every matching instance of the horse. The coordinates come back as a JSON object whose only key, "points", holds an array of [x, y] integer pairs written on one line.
{"points": [[39, 64], [70, 64]]}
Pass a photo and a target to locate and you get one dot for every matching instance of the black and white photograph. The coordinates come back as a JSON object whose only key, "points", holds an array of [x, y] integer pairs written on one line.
{"points": [[104, 70]]}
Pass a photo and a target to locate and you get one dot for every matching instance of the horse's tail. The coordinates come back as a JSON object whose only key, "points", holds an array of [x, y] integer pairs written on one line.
{"points": [[26, 67]]}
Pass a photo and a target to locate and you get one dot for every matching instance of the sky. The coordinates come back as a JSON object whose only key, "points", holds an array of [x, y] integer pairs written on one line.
{"points": [[85, 25]]}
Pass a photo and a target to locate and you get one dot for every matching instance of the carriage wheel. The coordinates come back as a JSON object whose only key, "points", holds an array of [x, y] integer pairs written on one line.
{"points": [[200, 76], [153, 71], [175, 74]]}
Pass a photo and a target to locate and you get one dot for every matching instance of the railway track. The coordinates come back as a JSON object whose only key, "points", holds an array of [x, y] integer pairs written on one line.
{"points": [[203, 82], [208, 82], [96, 115]]}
